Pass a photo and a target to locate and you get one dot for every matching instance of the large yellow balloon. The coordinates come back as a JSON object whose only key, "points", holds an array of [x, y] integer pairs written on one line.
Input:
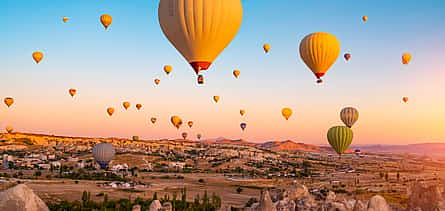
{"points": [[200, 29], [72, 92], [106, 20], [406, 58], [126, 105], [319, 51], [236, 73], [216, 98], [37, 56], [266, 48], [176, 121], [110, 111], [168, 69], [9, 101], [340, 137], [286, 112], [9, 129]]}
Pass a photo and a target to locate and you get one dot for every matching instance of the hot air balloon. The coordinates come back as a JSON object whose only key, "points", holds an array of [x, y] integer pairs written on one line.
{"points": [[190, 124], [243, 126], [65, 19], [319, 51], [198, 136], [9, 101], [200, 29], [405, 99], [216, 98], [110, 111], [176, 121], [266, 48], [349, 116], [406, 58], [126, 105], [106, 20], [168, 69], [236, 73], [138, 106], [242, 112], [340, 137], [9, 129], [103, 153], [153, 120], [347, 56], [286, 112], [157, 81], [365, 18], [200, 79], [184, 135], [37, 56], [72, 92]]}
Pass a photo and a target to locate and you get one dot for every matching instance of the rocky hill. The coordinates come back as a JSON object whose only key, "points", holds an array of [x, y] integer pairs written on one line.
{"points": [[21, 197]]}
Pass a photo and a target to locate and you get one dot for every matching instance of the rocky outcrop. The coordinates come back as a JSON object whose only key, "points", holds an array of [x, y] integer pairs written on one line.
{"points": [[167, 206], [359, 206], [378, 203], [266, 203], [21, 197], [155, 206], [136, 208], [426, 198]]}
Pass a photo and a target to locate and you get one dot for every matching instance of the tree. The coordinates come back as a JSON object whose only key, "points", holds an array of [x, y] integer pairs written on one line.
{"points": [[386, 176], [155, 196], [37, 173], [398, 176], [239, 190]]}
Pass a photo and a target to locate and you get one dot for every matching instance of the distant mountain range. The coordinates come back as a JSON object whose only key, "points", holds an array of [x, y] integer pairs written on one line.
{"points": [[430, 149], [270, 145]]}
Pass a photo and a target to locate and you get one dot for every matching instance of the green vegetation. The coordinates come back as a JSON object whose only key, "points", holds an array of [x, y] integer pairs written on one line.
{"points": [[83, 175], [204, 203]]}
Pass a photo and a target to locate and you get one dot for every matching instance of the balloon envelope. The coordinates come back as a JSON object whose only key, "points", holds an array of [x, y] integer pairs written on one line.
{"points": [[153, 120], [190, 124], [176, 121], [286, 112], [138, 106], [110, 111], [65, 19], [242, 112], [9, 129], [236, 73], [9, 101], [126, 105], [266, 48], [340, 137], [184, 135], [365, 18], [243, 126], [72, 92], [216, 98], [37, 56], [103, 153], [106, 20], [406, 58], [347, 56], [405, 99], [168, 69], [349, 116]]}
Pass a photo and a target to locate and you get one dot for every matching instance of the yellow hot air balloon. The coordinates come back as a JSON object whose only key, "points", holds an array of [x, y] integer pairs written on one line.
{"points": [[242, 112], [200, 29], [106, 20], [319, 51], [216, 98], [65, 19], [365, 18], [168, 69], [406, 58], [72, 92], [157, 81], [9, 101], [110, 111], [286, 112], [236, 73], [138, 106], [266, 48], [176, 121], [9, 129], [37, 56], [126, 105], [349, 116], [190, 124], [340, 137]]}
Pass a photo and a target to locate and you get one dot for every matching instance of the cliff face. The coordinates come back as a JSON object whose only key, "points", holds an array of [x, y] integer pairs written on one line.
{"points": [[22, 198]]}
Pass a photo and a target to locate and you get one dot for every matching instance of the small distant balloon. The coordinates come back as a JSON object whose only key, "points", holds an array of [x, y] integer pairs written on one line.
{"points": [[365, 18], [9, 101], [236, 73], [286, 112], [126, 105], [406, 58], [9, 129], [176, 121], [65, 19], [216, 98], [72, 92], [106, 20], [37, 56], [266, 48], [110, 111], [347, 56], [242, 112], [200, 79], [199, 136], [190, 124], [168, 69], [405, 99], [349, 116], [243, 126], [153, 120], [138, 106], [184, 135]]}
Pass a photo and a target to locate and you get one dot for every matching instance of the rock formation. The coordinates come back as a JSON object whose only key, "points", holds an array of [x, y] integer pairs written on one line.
{"points": [[21, 197], [378, 203], [426, 198], [155, 206]]}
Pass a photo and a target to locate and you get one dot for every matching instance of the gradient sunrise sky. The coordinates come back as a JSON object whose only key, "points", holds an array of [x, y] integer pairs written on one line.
{"points": [[109, 67]]}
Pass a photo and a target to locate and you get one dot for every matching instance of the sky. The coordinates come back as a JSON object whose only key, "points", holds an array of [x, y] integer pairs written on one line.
{"points": [[109, 67]]}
